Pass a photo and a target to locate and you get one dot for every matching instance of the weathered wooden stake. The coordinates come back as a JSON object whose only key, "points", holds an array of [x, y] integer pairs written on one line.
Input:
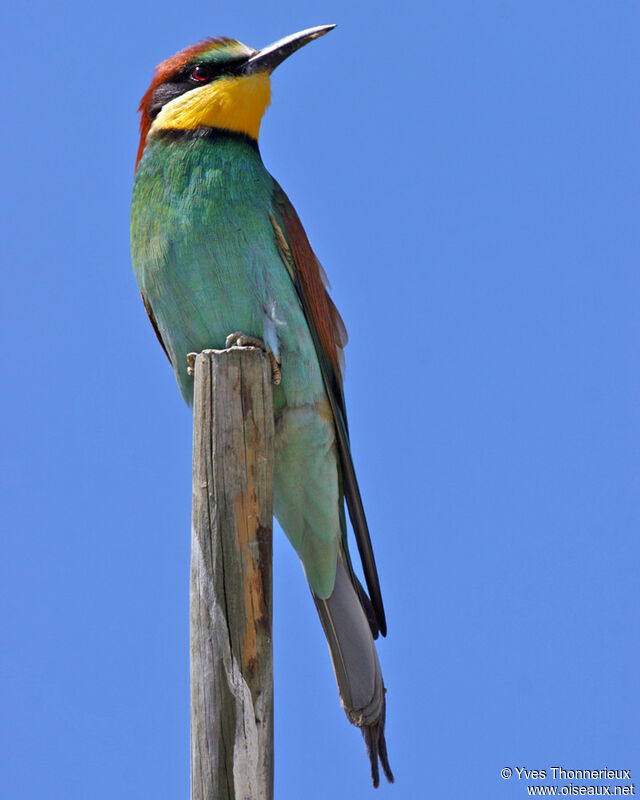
{"points": [[230, 591]]}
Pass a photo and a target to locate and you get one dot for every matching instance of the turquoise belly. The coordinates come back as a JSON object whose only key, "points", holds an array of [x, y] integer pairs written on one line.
{"points": [[205, 257]]}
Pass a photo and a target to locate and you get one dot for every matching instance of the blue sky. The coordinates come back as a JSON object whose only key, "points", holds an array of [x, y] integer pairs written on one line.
{"points": [[468, 174]]}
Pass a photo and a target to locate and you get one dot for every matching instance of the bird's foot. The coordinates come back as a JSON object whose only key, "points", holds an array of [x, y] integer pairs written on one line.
{"points": [[191, 363], [239, 339]]}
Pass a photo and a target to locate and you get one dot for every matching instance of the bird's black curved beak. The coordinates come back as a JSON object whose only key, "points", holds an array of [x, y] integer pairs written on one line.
{"points": [[267, 59]]}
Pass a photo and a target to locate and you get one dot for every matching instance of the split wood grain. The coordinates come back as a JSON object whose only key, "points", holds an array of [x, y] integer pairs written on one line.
{"points": [[231, 577]]}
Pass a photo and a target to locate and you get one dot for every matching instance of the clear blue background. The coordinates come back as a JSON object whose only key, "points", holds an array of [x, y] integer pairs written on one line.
{"points": [[468, 173]]}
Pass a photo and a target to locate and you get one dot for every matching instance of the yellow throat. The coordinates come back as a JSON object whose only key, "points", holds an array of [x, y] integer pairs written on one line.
{"points": [[234, 103]]}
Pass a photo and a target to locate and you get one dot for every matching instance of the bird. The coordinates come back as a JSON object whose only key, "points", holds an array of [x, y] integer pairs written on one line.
{"points": [[221, 259]]}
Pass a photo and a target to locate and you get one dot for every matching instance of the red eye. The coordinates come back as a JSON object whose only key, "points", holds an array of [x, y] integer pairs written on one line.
{"points": [[201, 73]]}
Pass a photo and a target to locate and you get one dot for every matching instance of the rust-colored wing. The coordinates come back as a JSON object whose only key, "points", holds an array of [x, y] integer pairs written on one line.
{"points": [[148, 309], [329, 336]]}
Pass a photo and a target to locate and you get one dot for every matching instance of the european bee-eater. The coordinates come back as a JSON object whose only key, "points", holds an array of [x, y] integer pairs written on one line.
{"points": [[219, 252]]}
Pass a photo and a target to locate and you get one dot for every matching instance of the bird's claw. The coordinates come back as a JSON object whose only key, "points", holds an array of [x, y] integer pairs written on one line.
{"points": [[276, 373], [239, 339]]}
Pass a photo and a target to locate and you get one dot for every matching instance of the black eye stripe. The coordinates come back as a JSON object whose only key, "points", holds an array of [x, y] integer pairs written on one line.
{"points": [[183, 81], [164, 94], [227, 67]]}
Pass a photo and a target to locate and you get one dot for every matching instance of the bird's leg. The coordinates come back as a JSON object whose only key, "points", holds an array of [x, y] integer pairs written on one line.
{"points": [[239, 339]]}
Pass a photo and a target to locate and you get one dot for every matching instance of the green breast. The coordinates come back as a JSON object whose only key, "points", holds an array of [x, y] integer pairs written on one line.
{"points": [[206, 259], [205, 256]]}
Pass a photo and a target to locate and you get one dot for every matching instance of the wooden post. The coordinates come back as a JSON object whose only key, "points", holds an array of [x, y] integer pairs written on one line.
{"points": [[231, 590]]}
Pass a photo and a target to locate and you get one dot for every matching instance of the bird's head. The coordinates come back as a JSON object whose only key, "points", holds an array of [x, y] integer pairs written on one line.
{"points": [[218, 83]]}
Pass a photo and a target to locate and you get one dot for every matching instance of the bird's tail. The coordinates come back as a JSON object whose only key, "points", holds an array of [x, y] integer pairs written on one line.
{"points": [[349, 633]]}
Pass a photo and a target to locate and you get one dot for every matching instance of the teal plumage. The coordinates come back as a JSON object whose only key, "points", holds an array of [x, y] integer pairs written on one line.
{"points": [[217, 248], [207, 262]]}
